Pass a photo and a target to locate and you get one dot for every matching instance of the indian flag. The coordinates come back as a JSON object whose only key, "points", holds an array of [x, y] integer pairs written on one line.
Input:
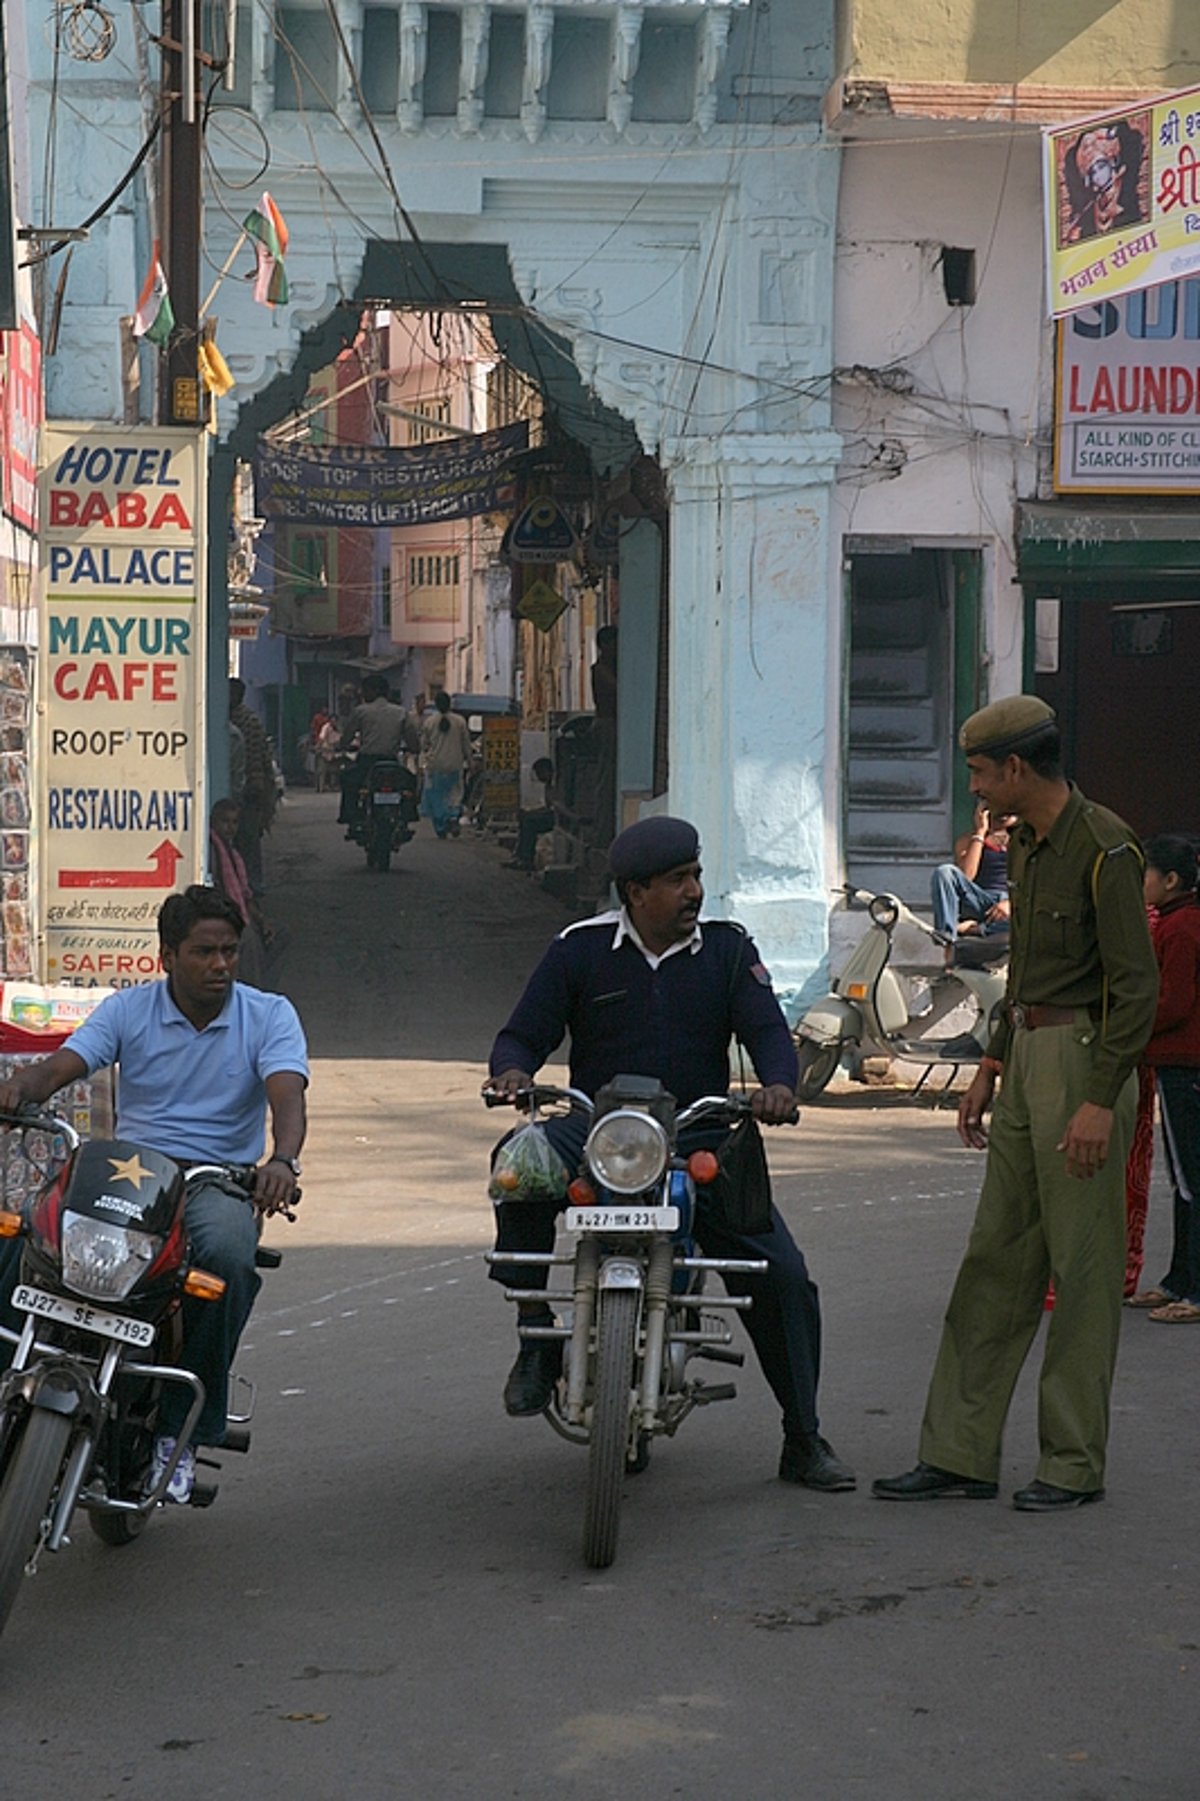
{"points": [[270, 236], [154, 318]]}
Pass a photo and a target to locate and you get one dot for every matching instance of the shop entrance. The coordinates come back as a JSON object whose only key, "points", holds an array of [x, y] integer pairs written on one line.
{"points": [[1112, 634], [1123, 684]]}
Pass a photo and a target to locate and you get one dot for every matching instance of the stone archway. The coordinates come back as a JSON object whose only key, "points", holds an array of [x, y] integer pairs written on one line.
{"points": [[654, 185]]}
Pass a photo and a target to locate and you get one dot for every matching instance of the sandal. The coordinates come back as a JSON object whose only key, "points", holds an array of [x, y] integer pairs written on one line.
{"points": [[1176, 1313], [1151, 1297]]}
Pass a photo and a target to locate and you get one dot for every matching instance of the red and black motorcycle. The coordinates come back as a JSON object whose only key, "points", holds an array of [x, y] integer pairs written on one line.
{"points": [[104, 1268]]}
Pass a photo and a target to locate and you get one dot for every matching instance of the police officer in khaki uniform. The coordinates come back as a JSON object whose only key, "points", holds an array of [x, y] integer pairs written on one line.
{"points": [[1080, 1003]]}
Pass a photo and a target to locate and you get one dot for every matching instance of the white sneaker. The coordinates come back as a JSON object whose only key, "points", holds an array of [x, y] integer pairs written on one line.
{"points": [[180, 1487]]}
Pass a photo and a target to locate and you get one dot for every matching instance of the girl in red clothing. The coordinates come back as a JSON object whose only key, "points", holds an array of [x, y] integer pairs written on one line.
{"points": [[1174, 1054]]}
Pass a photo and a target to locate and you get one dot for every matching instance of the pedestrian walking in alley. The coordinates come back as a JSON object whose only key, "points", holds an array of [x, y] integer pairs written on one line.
{"points": [[259, 795], [1082, 990], [227, 872], [446, 761], [648, 990], [1173, 1054]]}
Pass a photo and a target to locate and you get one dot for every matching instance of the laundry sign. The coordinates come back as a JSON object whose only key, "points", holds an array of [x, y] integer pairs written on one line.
{"points": [[1127, 401]]}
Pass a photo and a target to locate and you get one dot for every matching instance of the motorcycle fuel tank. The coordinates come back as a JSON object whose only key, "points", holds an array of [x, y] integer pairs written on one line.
{"points": [[126, 1183]]}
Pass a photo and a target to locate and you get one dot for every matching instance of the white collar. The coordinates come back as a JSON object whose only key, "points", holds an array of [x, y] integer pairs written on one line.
{"points": [[627, 929]]}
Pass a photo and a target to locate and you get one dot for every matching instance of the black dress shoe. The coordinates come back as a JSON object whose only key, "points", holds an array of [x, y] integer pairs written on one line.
{"points": [[812, 1461], [532, 1377], [926, 1483], [1046, 1497]]}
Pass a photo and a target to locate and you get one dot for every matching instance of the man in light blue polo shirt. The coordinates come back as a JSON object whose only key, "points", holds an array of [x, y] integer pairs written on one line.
{"points": [[201, 1058]]}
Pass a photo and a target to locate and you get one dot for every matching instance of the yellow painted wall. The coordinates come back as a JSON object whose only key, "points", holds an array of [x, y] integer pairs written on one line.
{"points": [[1153, 44]]}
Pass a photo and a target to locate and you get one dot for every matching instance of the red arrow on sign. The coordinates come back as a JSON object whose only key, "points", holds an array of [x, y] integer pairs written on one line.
{"points": [[160, 875]]}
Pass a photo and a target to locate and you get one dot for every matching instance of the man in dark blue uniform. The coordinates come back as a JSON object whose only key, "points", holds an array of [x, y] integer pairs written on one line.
{"points": [[647, 990]]}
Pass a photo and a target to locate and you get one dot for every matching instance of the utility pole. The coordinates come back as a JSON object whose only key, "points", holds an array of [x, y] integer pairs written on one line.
{"points": [[180, 399]]}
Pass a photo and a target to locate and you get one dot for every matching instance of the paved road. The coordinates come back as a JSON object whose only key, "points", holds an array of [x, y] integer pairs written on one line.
{"points": [[387, 1599]]}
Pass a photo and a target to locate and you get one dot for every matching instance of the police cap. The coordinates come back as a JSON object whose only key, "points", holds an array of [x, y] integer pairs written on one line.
{"points": [[651, 847], [1006, 724]]}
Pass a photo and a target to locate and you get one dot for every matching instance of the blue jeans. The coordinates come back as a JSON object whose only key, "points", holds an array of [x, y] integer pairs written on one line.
{"points": [[436, 801], [1179, 1102], [223, 1234], [784, 1323], [956, 896]]}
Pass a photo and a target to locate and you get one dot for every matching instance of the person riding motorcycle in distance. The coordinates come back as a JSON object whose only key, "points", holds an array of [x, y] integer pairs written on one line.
{"points": [[648, 990], [201, 1058]]}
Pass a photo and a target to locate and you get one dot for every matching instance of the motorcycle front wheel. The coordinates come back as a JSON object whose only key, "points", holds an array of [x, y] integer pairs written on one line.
{"points": [[33, 1468], [616, 1334], [818, 1062], [116, 1528]]}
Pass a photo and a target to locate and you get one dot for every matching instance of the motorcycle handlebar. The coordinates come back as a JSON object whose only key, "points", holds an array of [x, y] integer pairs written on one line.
{"points": [[243, 1176], [536, 1094], [31, 1118], [728, 1107], [725, 1106]]}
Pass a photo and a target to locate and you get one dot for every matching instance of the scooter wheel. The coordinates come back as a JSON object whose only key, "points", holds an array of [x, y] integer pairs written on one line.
{"points": [[818, 1063]]}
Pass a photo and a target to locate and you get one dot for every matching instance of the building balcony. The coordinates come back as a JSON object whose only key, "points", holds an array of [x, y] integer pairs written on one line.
{"points": [[473, 64]]}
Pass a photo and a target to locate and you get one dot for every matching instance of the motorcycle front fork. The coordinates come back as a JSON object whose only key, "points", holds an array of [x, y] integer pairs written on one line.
{"points": [[648, 1368]]}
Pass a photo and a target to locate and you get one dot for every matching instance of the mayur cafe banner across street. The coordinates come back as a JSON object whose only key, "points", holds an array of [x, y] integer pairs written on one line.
{"points": [[122, 638]]}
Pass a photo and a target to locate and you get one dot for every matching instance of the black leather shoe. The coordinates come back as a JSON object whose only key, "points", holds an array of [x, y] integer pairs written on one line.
{"points": [[926, 1483], [813, 1462], [1045, 1497], [532, 1377]]}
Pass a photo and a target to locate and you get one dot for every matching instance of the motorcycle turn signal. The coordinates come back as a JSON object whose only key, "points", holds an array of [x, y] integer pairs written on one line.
{"points": [[703, 1168], [203, 1287], [11, 1225]]}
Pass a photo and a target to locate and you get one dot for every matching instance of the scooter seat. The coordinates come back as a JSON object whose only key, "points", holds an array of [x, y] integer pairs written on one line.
{"points": [[978, 952]]}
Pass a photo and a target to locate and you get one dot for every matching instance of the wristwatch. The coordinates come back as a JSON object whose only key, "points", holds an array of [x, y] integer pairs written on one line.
{"points": [[293, 1163]]}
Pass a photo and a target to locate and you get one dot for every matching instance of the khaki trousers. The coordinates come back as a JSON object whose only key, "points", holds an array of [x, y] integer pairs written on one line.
{"points": [[1034, 1223]]}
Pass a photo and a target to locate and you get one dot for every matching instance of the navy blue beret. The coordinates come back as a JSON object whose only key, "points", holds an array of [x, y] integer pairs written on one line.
{"points": [[652, 846]]}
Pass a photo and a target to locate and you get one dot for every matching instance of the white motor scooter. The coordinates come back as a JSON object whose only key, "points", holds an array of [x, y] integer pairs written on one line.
{"points": [[892, 1012]]}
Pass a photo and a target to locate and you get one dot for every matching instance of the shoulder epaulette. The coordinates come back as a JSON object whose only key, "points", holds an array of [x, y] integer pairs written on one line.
{"points": [[1109, 832], [608, 920]]}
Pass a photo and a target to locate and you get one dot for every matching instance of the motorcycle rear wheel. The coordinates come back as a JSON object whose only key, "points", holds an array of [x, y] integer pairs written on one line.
{"points": [[616, 1332], [33, 1468], [818, 1062]]}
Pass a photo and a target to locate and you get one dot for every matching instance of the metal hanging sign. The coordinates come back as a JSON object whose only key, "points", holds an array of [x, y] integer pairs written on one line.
{"points": [[541, 533], [541, 605]]}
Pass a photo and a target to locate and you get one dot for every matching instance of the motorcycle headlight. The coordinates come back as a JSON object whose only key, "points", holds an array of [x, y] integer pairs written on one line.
{"points": [[104, 1260], [627, 1151]]}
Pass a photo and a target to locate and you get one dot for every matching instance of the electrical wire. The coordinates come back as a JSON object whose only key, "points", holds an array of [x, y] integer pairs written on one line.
{"points": [[402, 211], [40, 256]]}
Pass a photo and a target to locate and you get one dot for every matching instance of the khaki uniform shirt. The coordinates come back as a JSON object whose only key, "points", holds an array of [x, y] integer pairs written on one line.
{"points": [[1080, 936]]}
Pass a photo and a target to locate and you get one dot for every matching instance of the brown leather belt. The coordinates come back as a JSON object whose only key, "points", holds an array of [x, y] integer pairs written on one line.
{"points": [[1026, 1016]]}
